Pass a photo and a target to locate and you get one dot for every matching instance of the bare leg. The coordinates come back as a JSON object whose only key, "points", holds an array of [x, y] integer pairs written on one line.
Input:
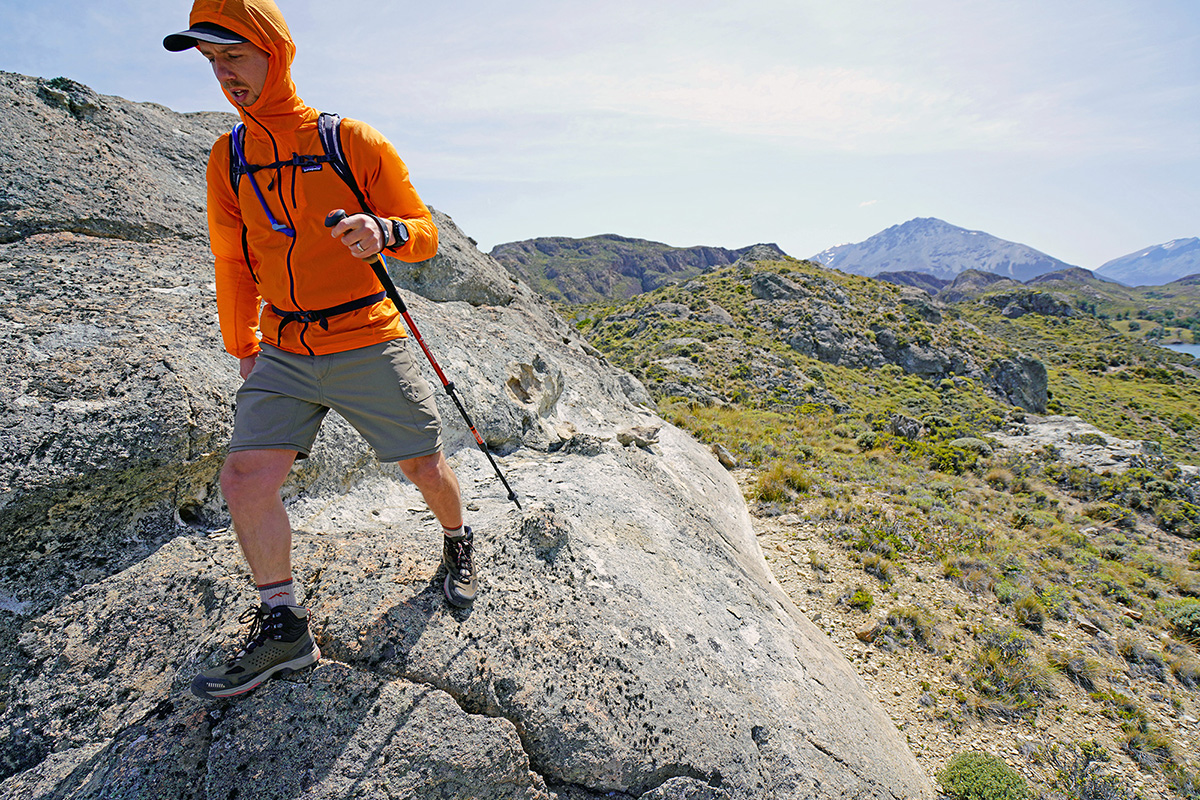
{"points": [[251, 480], [438, 485]]}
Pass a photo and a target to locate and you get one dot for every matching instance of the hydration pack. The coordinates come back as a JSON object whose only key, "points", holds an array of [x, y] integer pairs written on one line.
{"points": [[328, 129]]}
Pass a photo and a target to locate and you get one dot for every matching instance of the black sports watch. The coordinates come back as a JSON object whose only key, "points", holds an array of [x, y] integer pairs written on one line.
{"points": [[399, 234]]}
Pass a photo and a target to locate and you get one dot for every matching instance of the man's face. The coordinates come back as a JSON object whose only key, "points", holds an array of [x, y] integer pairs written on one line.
{"points": [[241, 69]]}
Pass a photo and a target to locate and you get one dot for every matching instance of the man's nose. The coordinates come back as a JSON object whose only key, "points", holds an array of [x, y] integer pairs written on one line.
{"points": [[222, 70]]}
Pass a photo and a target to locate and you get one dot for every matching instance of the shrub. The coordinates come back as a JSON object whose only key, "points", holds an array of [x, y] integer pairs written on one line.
{"points": [[861, 599], [1187, 672], [999, 478], [1179, 517], [781, 483], [1076, 774], [880, 568], [910, 624], [1055, 601], [1007, 591], [982, 776], [971, 574], [1142, 660], [1006, 677], [1110, 512], [1078, 668], [1149, 749], [1029, 612], [1184, 617]]}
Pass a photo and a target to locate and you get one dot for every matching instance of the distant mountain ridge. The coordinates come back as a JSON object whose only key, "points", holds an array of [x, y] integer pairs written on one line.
{"points": [[1157, 265], [608, 267], [935, 247]]}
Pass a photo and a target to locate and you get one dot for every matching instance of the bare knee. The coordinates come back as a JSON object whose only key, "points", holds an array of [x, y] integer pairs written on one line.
{"points": [[426, 470], [251, 475]]}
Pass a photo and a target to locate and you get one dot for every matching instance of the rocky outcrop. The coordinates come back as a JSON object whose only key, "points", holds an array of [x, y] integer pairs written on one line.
{"points": [[970, 283], [821, 317], [458, 272], [1017, 304], [628, 641], [75, 161], [1021, 381], [1076, 442], [920, 280]]}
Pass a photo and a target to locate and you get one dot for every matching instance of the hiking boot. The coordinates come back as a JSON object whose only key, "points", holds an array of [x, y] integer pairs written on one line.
{"points": [[279, 644], [461, 582]]}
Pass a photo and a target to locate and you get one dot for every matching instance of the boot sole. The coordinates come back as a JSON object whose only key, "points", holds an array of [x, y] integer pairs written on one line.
{"points": [[452, 599], [282, 669]]}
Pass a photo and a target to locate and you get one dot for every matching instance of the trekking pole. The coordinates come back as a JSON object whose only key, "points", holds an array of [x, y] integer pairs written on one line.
{"points": [[390, 288]]}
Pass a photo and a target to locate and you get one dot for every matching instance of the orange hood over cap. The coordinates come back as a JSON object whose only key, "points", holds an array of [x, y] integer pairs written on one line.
{"points": [[264, 277], [262, 24]]}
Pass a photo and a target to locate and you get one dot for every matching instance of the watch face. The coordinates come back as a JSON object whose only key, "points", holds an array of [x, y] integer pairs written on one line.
{"points": [[400, 232]]}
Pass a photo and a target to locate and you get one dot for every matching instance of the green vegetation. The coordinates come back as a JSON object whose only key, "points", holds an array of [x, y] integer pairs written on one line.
{"points": [[1076, 773], [874, 414], [982, 776]]}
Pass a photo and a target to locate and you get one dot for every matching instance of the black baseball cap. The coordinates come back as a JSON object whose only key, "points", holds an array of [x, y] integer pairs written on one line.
{"points": [[204, 32]]}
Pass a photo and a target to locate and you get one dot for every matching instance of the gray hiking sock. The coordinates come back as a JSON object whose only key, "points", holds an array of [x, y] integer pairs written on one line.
{"points": [[277, 594]]}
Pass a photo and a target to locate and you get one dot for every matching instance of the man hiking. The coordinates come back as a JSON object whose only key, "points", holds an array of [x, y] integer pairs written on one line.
{"points": [[302, 311]]}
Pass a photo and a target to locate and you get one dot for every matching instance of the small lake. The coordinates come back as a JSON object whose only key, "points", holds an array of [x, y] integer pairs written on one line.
{"points": [[1192, 350]]}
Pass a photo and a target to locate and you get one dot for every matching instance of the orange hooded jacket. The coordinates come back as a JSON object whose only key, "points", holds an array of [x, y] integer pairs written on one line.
{"points": [[312, 271]]}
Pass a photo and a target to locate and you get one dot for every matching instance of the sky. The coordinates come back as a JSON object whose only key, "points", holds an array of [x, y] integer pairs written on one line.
{"points": [[1071, 126]]}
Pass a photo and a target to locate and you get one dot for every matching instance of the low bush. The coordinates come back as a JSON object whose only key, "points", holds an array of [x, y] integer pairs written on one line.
{"points": [[1029, 612], [782, 482], [1149, 749], [1179, 517], [1187, 672], [971, 574], [861, 599], [910, 625], [1184, 617], [880, 567], [1076, 776], [1006, 678], [1078, 668], [982, 776]]}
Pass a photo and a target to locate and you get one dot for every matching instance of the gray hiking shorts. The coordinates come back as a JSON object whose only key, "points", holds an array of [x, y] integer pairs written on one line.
{"points": [[377, 389]]}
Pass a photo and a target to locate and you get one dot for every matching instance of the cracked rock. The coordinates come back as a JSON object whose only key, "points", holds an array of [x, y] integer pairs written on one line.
{"points": [[628, 638]]}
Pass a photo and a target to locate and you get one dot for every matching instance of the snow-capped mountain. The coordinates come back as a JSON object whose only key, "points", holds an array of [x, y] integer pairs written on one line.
{"points": [[938, 248], [1154, 266]]}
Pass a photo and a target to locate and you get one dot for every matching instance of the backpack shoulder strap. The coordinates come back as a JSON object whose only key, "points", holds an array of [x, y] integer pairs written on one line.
{"points": [[329, 127], [237, 165]]}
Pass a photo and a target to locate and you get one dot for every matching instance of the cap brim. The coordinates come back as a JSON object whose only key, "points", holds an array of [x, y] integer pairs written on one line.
{"points": [[201, 33]]}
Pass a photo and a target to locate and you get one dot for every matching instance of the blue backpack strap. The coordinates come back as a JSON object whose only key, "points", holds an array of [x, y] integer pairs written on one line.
{"points": [[236, 140], [237, 166]]}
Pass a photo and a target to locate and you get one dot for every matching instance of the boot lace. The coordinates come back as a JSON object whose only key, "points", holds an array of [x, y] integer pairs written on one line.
{"points": [[264, 625], [460, 550]]}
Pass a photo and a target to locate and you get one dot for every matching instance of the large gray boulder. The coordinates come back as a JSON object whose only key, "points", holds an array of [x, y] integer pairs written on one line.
{"points": [[628, 640]]}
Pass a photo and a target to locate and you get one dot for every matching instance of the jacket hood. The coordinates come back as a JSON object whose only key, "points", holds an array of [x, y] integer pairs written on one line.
{"points": [[261, 23]]}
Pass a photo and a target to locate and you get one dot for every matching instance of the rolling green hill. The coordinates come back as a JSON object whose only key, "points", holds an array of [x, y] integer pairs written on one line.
{"points": [[608, 268], [871, 417]]}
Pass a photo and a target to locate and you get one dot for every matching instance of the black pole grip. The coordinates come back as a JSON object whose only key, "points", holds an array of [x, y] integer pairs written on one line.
{"points": [[334, 218]]}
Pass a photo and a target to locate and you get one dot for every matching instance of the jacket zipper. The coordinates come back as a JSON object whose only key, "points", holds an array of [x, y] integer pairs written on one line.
{"points": [[292, 244]]}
